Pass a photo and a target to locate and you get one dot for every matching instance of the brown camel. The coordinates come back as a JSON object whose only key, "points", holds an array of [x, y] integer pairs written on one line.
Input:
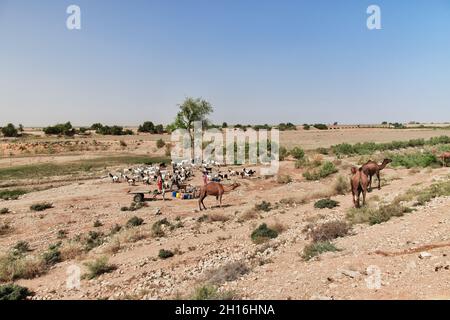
{"points": [[445, 157], [372, 168], [359, 182], [214, 189]]}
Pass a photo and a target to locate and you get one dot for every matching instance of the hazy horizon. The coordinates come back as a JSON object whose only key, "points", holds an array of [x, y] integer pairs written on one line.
{"points": [[257, 62]]}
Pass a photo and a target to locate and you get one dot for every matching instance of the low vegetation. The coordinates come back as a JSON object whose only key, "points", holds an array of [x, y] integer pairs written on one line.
{"points": [[13, 194], [165, 254], [376, 215], [14, 292], [326, 169], [158, 230], [326, 203], [211, 292], [263, 234], [134, 222], [415, 160], [263, 206], [316, 248], [41, 206], [328, 231], [98, 267], [229, 272], [371, 147], [284, 179], [4, 210]]}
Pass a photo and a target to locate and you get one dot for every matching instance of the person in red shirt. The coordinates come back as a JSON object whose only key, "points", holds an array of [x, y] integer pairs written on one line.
{"points": [[160, 184]]}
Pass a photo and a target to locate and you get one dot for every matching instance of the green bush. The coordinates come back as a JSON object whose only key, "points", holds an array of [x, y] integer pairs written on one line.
{"points": [[14, 292], [298, 153], [52, 256], [12, 194], [98, 267], [60, 129], [134, 222], [283, 153], [317, 248], [93, 240], [41, 206], [160, 143], [165, 254], [211, 292], [263, 233], [415, 160], [326, 203], [263, 206], [320, 126], [10, 130], [323, 171], [4, 210], [158, 232], [22, 247], [375, 216]]}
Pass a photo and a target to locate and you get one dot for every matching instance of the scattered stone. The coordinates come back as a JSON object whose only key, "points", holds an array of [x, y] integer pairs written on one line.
{"points": [[425, 255]]}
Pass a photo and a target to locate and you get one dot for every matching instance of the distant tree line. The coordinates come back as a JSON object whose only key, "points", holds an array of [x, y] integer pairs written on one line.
{"points": [[149, 127], [111, 130]]}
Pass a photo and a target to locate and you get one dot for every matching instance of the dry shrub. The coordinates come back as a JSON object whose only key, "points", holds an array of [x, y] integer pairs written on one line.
{"points": [[71, 251], [132, 235], [218, 217], [277, 226], [113, 247], [341, 185], [284, 179], [14, 267], [294, 200], [328, 231], [229, 272], [249, 215], [5, 228]]}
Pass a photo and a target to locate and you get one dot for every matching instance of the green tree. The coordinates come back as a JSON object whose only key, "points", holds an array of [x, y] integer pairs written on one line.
{"points": [[147, 126], [192, 110], [10, 130]]}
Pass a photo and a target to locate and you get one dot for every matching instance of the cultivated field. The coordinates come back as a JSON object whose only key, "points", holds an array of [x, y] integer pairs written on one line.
{"points": [[397, 246]]}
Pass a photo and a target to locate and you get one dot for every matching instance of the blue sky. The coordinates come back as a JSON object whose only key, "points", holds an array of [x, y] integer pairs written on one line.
{"points": [[256, 61]]}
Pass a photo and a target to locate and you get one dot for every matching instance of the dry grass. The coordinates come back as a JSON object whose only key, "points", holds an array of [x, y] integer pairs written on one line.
{"points": [[215, 217], [277, 226], [132, 235], [72, 251], [229, 272], [328, 231], [14, 267]]}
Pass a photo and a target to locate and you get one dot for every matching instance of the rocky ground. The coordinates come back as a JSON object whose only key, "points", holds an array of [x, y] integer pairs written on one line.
{"points": [[209, 249]]}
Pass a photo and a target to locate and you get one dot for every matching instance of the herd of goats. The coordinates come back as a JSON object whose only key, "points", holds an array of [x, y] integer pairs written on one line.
{"points": [[177, 176]]}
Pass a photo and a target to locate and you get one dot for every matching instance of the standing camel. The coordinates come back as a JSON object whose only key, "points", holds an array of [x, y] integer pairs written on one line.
{"points": [[445, 157], [359, 182], [372, 168], [214, 189]]}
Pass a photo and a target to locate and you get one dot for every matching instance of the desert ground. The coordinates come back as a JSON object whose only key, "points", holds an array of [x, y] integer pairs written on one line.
{"points": [[403, 256]]}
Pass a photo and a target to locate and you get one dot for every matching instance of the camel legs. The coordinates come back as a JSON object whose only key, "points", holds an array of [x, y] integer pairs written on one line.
{"points": [[379, 181], [220, 201], [364, 192], [200, 203], [370, 183]]}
